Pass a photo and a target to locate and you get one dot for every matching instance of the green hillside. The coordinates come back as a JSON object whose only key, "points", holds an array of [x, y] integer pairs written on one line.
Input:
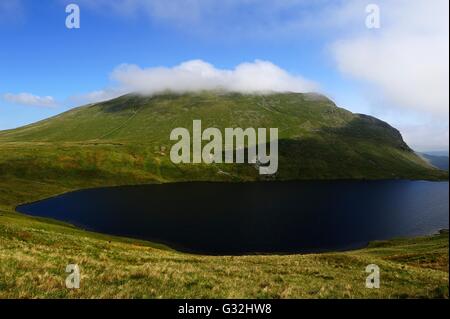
{"points": [[126, 140]]}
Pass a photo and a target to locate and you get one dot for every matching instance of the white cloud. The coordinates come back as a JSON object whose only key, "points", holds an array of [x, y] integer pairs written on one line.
{"points": [[250, 77], [433, 135], [404, 65], [407, 60], [30, 99], [194, 75]]}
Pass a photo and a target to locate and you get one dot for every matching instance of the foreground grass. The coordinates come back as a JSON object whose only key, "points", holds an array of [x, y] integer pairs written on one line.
{"points": [[34, 253]]}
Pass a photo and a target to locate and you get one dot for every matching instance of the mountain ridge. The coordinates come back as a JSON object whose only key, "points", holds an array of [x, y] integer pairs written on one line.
{"points": [[129, 136]]}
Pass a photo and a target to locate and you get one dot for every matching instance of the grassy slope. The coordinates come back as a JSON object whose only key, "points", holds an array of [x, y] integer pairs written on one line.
{"points": [[34, 253], [109, 144]]}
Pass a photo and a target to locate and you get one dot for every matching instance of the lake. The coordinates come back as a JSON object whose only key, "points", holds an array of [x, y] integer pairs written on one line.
{"points": [[262, 217]]}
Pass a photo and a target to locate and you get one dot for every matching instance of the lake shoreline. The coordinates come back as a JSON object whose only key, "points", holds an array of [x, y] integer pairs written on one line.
{"points": [[183, 247], [169, 247]]}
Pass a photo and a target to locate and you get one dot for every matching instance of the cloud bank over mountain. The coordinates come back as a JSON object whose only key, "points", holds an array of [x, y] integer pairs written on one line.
{"points": [[194, 75], [249, 77]]}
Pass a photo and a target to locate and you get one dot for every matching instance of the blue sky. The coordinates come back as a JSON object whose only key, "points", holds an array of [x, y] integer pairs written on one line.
{"points": [[46, 68]]}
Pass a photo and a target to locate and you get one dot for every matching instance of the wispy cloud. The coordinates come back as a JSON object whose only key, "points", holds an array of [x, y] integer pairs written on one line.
{"points": [[11, 11], [225, 18], [30, 99], [97, 96]]}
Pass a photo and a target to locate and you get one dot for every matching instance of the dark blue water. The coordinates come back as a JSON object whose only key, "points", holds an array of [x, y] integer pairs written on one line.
{"points": [[270, 217]]}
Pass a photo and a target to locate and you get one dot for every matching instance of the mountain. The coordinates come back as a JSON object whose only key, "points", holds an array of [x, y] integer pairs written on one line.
{"points": [[439, 161], [126, 140], [437, 153]]}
